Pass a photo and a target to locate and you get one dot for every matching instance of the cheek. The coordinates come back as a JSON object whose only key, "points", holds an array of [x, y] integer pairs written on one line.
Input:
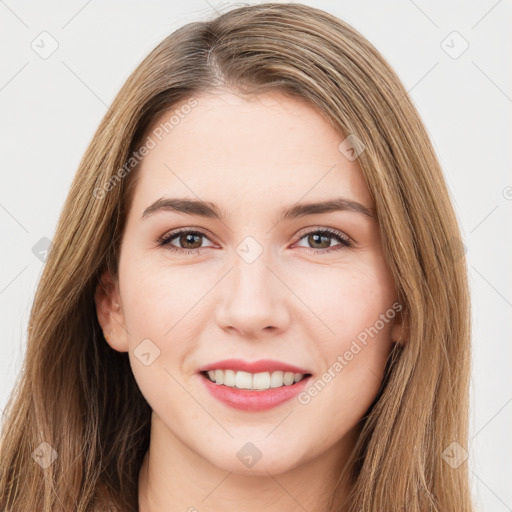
{"points": [[163, 314], [359, 316], [353, 372], [155, 297], [156, 304], [348, 301]]}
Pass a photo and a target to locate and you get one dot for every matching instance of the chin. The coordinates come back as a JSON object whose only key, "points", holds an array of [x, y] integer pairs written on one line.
{"points": [[258, 458]]}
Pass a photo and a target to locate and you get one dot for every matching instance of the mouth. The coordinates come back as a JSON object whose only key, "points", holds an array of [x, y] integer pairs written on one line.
{"points": [[253, 392], [257, 382]]}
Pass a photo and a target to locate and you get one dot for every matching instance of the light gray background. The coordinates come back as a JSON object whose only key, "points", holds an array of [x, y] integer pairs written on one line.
{"points": [[51, 107]]}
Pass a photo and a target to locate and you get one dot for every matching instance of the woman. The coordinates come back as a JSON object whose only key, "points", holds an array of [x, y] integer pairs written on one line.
{"points": [[256, 296]]}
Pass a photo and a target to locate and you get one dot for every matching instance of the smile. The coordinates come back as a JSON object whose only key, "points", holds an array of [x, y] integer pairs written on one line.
{"points": [[255, 381], [254, 400]]}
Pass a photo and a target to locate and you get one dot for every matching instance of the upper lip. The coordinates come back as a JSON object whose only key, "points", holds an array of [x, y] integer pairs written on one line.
{"points": [[262, 365]]}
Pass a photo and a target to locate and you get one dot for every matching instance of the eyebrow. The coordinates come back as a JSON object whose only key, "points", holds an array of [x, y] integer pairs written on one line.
{"points": [[210, 210]]}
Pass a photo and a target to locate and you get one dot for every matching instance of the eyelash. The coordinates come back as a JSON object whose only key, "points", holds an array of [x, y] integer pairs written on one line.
{"points": [[165, 240]]}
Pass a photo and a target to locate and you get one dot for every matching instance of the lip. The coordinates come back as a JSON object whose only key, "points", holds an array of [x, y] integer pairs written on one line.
{"points": [[253, 401], [262, 365]]}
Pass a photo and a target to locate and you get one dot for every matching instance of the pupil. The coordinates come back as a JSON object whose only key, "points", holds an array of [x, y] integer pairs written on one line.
{"points": [[316, 237], [189, 238]]}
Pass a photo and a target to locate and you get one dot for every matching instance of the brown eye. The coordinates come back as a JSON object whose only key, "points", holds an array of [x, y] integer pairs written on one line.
{"points": [[188, 241], [319, 241]]}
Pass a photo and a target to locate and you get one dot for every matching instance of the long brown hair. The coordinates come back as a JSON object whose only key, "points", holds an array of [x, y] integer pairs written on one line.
{"points": [[77, 427]]}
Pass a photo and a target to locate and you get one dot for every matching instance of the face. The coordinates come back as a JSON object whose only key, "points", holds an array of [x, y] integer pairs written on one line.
{"points": [[312, 290]]}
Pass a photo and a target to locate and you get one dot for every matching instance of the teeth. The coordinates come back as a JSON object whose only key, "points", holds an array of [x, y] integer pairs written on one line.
{"points": [[256, 381]]}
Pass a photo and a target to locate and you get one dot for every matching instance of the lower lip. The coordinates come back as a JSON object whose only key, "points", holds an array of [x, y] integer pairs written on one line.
{"points": [[247, 400]]}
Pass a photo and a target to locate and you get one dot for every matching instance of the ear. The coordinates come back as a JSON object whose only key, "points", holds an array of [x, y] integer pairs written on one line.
{"points": [[109, 310]]}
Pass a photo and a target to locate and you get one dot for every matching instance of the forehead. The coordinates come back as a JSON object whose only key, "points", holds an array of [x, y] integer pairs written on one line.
{"points": [[235, 149]]}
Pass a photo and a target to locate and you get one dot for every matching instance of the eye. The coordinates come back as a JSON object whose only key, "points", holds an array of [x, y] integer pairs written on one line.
{"points": [[321, 240], [190, 241]]}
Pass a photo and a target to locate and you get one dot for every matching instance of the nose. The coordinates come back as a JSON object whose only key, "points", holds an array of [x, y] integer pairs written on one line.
{"points": [[253, 301]]}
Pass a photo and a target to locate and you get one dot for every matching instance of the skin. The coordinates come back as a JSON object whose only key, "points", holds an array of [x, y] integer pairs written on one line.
{"points": [[251, 156]]}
